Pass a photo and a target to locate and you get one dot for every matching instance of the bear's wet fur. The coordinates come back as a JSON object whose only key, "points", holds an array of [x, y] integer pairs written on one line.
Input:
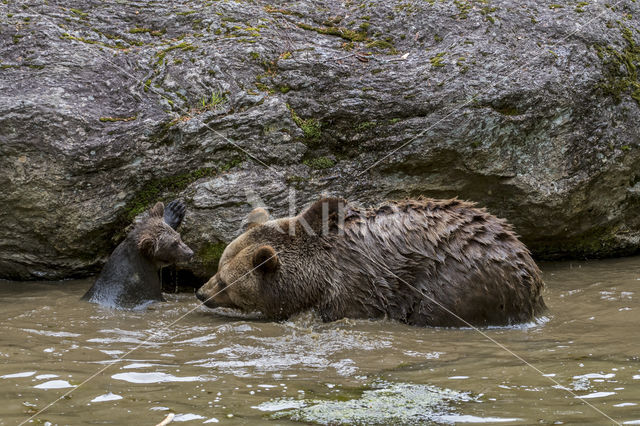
{"points": [[422, 262], [130, 278]]}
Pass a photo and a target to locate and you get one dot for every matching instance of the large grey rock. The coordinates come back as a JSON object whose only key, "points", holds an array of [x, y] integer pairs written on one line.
{"points": [[529, 108]]}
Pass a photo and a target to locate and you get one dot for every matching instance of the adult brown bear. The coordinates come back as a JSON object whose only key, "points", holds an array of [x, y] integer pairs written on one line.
{"points": [[130, 278], [423, 262]]}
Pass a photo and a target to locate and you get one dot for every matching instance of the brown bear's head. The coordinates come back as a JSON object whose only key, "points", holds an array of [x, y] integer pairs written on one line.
{"points": [[158, 241], [277, 267]]}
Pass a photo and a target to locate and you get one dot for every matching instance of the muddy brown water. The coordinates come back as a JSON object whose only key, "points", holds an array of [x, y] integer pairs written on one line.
{"points": [[214, 367]]}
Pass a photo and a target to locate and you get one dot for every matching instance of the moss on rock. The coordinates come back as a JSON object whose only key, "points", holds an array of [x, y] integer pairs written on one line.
{"points": [[620, 67], [209, 255], [320, 163], [311, 127]]}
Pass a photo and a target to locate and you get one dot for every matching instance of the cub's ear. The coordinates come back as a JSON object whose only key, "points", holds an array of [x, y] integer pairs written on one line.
{"points": [[265, 259], [323, 216], [147, 244], [257, 217], [157, 210]]}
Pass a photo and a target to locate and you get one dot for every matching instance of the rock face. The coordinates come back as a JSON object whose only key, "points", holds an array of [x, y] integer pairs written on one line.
{"points": [[528, 108]]}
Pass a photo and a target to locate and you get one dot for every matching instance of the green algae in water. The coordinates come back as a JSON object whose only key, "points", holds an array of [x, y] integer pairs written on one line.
{"points": [[398, 403]]}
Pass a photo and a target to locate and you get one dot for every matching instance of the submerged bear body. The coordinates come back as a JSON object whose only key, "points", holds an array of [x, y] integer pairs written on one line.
{"points": [[422, 262], [130, 277]]}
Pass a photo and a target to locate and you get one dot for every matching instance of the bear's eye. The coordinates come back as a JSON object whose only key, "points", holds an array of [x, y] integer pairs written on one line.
{"points": [[175, 243]]}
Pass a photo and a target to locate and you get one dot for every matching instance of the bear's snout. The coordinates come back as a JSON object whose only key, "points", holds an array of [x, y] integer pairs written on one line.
{"points": [[189, 253], [186, 252], [202, 295], [205, 297], [214, 294]]}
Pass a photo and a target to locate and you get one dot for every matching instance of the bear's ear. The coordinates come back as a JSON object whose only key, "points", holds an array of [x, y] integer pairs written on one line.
{"points": [[265, 259], [157, 210], [324, 215], [147, 244], [257, 217]]}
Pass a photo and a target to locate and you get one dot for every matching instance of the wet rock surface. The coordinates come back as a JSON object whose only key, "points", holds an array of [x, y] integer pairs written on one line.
{"points": [[529, 109]]}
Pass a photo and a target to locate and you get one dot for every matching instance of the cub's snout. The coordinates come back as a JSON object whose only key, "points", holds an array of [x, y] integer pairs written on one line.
{"points": [[185, 252]]}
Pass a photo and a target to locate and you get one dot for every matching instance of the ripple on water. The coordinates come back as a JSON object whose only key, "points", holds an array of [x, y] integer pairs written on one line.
{"points": [[595, 395], [138, 365], [18, 375], [280, 404], [54, 384], [112, 353], [187, 417], [298, 348], [45, 376], [595, 376], [106, 397], [154, 377], [51, 333], [458, 418]]}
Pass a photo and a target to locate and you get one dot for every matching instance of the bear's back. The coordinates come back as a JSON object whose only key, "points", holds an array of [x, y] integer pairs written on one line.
{"points": [[435, 257]]}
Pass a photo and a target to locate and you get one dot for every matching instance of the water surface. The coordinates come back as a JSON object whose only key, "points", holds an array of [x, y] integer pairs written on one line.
{"points": [[211, 367]]}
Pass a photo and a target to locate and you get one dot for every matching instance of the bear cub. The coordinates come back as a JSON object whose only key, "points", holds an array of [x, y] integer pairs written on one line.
{"points": [[130, 278], [424, 262]]}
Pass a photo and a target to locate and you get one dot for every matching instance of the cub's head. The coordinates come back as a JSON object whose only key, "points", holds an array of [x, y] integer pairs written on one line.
{"points": [[158, 241], [276, 266]]}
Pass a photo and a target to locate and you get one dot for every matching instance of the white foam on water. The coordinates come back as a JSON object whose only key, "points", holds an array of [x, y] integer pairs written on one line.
{"points": [[595, 376], [154, 378], [595, 395], [112, 340], [280, 404], [45, 376], [187, 417], [54, 384], [461, 418], [625, 404], [632, 422], [212, 420], [137, 365], [429, 355], [52, 333], [106, 397], [458, 377], [345, 367], [18, 375], [198, 340], [116, 352]]}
